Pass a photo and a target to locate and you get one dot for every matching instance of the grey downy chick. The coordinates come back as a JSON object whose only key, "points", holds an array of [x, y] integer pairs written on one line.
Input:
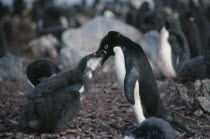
{"points": [[152, 128], [57, 99]]}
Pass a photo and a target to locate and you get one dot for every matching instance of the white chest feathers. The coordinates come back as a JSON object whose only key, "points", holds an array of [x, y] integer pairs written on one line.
{"points": [[121, 72], [164, 54], [120, 65]]}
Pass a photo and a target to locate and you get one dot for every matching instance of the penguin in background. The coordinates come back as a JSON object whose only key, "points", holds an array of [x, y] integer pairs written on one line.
{"points": [[3, 41], [40, 69], [201, 22], [207, 58], [191, 32], [136, 78], [57, 100], [152, 128], [196, 68], [173, 50]]}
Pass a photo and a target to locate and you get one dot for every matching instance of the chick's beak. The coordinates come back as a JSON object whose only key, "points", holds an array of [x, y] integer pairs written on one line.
{"points": [[102, 53]]}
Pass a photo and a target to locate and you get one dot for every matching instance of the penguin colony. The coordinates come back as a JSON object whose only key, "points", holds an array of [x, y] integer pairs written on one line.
{"points": [[182, 56]]}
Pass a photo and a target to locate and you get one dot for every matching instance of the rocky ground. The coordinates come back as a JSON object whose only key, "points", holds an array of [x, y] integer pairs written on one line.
{"points": [[106, 113]]}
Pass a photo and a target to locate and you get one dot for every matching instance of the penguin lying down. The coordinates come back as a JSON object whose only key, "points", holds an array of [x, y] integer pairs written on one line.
{"points": [[57, 100], [136, 78], [152, 128]]}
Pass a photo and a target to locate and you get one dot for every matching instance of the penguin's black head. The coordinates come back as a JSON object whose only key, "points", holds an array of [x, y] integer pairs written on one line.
{"points": [[172, 24], [111, 40]]}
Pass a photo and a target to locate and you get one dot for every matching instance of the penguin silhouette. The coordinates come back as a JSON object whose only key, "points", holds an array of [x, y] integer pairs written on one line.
{"points": [[201, 22], [136, 78], [191, 32], [40, 69], [173, 50], [57, 100], [152, 128]]}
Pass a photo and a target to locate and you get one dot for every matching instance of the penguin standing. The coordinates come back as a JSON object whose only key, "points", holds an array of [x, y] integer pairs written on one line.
{"points": [[173, 50], [41, 69], [191, 32], [152, 128], [136, 77], [57, 100]]}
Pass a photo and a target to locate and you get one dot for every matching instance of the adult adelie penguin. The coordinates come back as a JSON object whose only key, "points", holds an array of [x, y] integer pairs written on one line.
{"points": [[173, 50], [40, 69], [136, 77]]}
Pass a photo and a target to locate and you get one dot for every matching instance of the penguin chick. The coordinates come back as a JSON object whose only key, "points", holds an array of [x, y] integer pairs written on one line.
{"points": [[152, 128], [57, 100], [136, 78], [196, 68], [41, 69], [193, 70], [173, 50]]}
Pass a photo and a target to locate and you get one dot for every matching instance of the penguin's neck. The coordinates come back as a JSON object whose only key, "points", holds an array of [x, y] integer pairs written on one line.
{"points": [[120, 65], [87, 75]]}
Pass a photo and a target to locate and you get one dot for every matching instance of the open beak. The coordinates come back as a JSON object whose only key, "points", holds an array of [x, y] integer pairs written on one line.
{"points": [[102, 53]]}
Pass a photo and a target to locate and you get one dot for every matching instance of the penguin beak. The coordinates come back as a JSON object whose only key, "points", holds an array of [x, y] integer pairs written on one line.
{"points": [[104, 59], [102, 53]]}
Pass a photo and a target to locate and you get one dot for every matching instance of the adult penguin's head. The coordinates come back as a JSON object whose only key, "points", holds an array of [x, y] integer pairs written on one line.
{"points": [[111, 40]]}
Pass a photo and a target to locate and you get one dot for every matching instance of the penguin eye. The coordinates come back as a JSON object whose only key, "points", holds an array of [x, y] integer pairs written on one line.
{"points": [[106, 46]]}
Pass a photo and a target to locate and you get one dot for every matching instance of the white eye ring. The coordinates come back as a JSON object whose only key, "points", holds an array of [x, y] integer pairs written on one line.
{"points": [[106, 46]]}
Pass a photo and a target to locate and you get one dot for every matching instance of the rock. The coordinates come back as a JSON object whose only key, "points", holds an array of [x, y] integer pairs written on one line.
{"points": [[45, 45], [149, 42], [202, 87], [86, 39], [198, 113], [204, 103], [182, 97], [11, 67]]}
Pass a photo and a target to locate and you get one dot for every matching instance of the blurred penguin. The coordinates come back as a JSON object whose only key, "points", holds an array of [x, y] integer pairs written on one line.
{"points": [[152, 128], [201, 22], [2, 41], [191, 32], [173, 50]]}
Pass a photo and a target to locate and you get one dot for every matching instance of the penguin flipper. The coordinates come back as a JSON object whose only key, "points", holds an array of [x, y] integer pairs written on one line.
{"points": [[129, 84]]}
